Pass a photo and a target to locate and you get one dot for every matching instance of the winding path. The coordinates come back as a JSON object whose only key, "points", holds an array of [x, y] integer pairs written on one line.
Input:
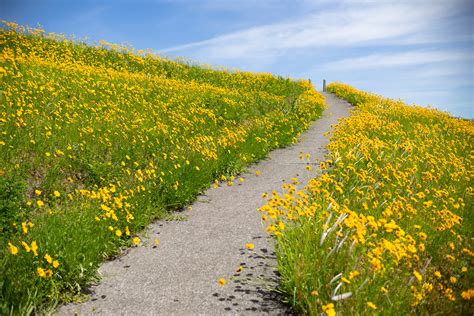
{"points": [[179, 276]]}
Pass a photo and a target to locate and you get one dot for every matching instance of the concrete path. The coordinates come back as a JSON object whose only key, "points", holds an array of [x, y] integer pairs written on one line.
{"points": [[179, 276]]}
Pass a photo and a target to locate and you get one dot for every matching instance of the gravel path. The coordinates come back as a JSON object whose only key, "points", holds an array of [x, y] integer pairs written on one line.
{"points": [[179, 276]]}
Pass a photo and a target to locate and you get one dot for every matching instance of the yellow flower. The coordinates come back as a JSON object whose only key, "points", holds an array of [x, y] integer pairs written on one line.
{"points": [[453, 279], [26, 246], [437, 274], [314, 293], [156, 241], [13, 250], [48, 273], [38, 192], [417, 276], [421, 247], [383, 290], [467, 295], [329, 309], [258, 173], [371, 305], [48, 258], [343, 279], [308, 167], [136, 241], [40, 203], [56, 194], [24, 228], [127, 231], [249, 246], [41, 272], [221, 281], [55, 264], [34, 248], [422, 236], [353, 274], [118, 232]]}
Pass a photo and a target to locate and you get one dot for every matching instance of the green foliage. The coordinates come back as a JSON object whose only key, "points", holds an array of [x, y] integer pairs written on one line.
{"points": [[12, 204]]}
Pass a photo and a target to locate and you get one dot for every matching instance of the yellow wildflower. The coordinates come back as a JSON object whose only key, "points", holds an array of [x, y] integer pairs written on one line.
{"points": [[417, 276], [353, 274], [343, 279], [41, 272], [329, 309], [467, 295], [221, 281], [48, 258], [34, 248], [136, 241], [13, 249], [372, 305], [26, 246], [24, 228]]}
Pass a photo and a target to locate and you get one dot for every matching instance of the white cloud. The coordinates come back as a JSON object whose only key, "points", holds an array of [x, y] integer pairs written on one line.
{"points": [[352, 24], [385, 60]]}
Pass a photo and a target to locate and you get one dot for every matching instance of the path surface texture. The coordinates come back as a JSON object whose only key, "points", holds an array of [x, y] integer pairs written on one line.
{"points": [[179, 276]]}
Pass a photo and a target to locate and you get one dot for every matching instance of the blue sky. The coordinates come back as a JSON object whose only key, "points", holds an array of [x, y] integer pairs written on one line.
{"points": [[420, 51]]}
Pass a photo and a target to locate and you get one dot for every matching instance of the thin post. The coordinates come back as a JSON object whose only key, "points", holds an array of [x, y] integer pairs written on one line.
{"points": [[324, 85]]}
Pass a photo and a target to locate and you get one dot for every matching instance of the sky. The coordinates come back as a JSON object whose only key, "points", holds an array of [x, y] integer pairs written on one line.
{"points": [[419, 51]]}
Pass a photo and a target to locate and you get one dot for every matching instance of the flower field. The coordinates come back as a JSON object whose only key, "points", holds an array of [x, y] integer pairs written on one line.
{"points": [[97, 141], [387, 227]]}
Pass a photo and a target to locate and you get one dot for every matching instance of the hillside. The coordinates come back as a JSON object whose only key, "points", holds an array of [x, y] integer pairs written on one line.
{"points": [[97, 141], [387, 228]]}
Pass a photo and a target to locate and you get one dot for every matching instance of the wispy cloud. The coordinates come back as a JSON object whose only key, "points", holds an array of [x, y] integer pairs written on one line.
{"points": [[363, 24], [384, 60]]}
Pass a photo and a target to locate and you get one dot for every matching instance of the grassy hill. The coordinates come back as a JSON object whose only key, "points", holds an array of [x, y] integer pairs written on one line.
{"points": [[388, 227], [97, 141]]}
